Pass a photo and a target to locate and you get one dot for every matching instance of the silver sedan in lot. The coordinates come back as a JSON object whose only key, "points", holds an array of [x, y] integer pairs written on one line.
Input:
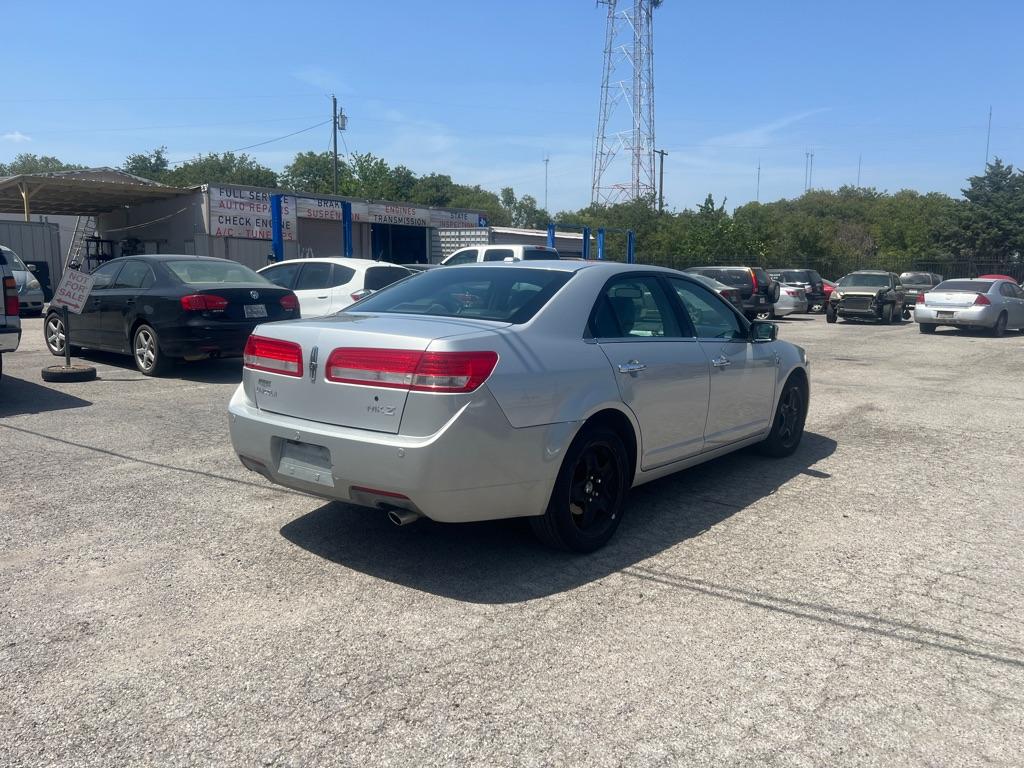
{"points": [[992, 304], [505, 390]]}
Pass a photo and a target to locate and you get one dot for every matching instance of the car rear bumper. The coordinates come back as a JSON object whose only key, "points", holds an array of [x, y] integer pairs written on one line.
{"points": [[977, 317], [10, 337], [31, 301], [223, 339], [477, 467]]}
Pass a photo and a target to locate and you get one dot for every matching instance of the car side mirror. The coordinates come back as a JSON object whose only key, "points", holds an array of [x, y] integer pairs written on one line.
{"points": [[761, 331], [31, 267]]}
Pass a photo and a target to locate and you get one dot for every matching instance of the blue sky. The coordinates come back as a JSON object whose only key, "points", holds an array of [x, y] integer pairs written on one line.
{"points": [[484, 90]]}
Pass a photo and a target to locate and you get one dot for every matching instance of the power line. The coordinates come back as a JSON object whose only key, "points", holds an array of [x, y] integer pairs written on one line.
{"points": [[262, 143]]}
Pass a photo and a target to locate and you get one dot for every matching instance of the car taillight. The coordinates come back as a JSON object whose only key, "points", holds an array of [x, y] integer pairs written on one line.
{"points": [[753, 277], [359, 295], [981, 300], [11, 305], [410, 369], [920, 298], [289, 303], [203, 302], [273, 355]]}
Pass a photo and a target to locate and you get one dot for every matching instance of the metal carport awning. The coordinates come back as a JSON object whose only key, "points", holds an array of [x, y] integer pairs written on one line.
{"points": [[79, 193]]}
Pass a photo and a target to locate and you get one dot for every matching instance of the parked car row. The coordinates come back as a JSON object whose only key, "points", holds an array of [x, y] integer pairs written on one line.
{"points": [[10, 314]]}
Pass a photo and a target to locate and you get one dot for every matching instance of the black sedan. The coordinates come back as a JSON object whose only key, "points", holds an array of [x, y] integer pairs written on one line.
{"points": [[166, 307]]}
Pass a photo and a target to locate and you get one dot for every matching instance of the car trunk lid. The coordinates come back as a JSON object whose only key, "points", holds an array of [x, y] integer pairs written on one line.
{"points": [[258, 302], [950, 298], [311, 396]]}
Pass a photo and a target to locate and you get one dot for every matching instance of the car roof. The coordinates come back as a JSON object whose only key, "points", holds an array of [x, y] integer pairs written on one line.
{"points": [[563, 265], [343, 260]]}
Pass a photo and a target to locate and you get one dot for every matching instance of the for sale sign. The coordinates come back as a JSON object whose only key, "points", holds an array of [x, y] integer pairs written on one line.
{"points": [[73, 291]]}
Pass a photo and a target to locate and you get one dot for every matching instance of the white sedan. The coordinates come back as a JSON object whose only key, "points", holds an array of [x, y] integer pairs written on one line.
{"points": [[325, 286], [529, 389]]}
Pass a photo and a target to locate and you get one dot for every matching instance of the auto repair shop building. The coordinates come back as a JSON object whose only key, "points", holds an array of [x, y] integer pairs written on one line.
{"points": [[234, 222]]}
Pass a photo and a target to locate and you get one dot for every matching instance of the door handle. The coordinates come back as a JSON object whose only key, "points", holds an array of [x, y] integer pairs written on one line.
{"points": [[633, 366], [721, 362], [322, 297]]}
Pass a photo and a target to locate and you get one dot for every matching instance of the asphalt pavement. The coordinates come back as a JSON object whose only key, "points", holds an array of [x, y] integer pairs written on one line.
{"points": [[858, 604]]}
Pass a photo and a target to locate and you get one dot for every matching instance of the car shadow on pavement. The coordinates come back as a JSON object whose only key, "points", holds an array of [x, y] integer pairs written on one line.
{"points": [[501, 562], [19, 397], [211, 371]]}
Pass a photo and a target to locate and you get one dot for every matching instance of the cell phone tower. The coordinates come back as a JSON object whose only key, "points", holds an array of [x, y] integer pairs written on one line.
{"points": [[628, 79]]}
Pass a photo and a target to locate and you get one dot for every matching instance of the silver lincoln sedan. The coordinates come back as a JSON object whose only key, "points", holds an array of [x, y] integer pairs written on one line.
{"points": [[504, 390]]}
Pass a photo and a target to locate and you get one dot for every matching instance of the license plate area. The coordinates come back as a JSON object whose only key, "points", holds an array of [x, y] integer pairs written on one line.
{"points": [[255, 310], [946, 315], [306, 461]]}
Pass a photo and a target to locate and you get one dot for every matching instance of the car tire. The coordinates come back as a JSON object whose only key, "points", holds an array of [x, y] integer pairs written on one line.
{"points": [[887, 314], [999, 329], [788, 424], [897, 315], [926, 327], [583, 513], [54, 335], [146, 353], [830, 315]]}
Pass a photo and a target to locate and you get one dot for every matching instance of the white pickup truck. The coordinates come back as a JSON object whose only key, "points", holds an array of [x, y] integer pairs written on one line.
{"points": [[10, 313], [500, 253]]}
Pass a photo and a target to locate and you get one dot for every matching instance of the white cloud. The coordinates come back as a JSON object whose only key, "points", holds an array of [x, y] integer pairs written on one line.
{"points": [[16, 137]]}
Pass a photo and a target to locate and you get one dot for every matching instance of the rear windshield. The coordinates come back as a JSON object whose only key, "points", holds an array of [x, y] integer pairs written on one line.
{"points": [[195, 271], [867, 280], [794, 276], [971, 286], [13, 260], [916, 277], [507, 294], [734, 277], [538, 254], [382, 277]]}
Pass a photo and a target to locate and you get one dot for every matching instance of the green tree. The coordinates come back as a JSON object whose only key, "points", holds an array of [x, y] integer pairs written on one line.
{"points": [[149, 165], [226, 168], [314, 172], [27, 163], [991, 223]]}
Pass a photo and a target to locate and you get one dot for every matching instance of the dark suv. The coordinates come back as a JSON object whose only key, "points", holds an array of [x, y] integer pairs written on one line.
{"points": [[807, 279], [758, 292], [917, 283]]}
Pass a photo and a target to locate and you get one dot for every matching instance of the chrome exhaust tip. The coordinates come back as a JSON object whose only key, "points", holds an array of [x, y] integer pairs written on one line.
{"points": [[403, 516]]}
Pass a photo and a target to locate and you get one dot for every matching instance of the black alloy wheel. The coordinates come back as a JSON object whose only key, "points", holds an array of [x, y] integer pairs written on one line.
{"points": [[788, 427], [55, 335], [587, 501]]}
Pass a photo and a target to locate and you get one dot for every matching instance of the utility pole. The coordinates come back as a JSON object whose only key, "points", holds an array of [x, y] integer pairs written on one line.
{"points": [[757, 197], [807, 160], [661, 179], [988, 137], [810, 174], [334, 140], [547, 159]]}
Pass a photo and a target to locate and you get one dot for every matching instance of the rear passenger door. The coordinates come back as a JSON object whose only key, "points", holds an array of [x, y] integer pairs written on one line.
{"points": [[313, 288], [661, 372]]}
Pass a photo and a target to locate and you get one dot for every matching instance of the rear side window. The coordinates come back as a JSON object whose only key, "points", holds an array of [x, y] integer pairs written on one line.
{"points": [[382, 277], [342, 275], [506, 294], [135, 274], [467, 256], [498, 254], [283, 275], [634, 307], [739, 278], [314, 276]]}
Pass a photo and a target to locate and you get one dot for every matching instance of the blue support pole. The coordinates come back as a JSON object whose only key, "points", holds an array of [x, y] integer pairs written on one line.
{"points": [[276, 228], [551, 235], [586, 243], [346, 228], [630, 247], [600, 243]]}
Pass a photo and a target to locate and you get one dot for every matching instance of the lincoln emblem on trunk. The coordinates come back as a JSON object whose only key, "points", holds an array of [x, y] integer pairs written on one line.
{"points": [[312, 364]]}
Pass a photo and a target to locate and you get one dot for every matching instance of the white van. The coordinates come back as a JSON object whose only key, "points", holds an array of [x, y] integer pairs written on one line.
{"points": [[500, 253]]}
